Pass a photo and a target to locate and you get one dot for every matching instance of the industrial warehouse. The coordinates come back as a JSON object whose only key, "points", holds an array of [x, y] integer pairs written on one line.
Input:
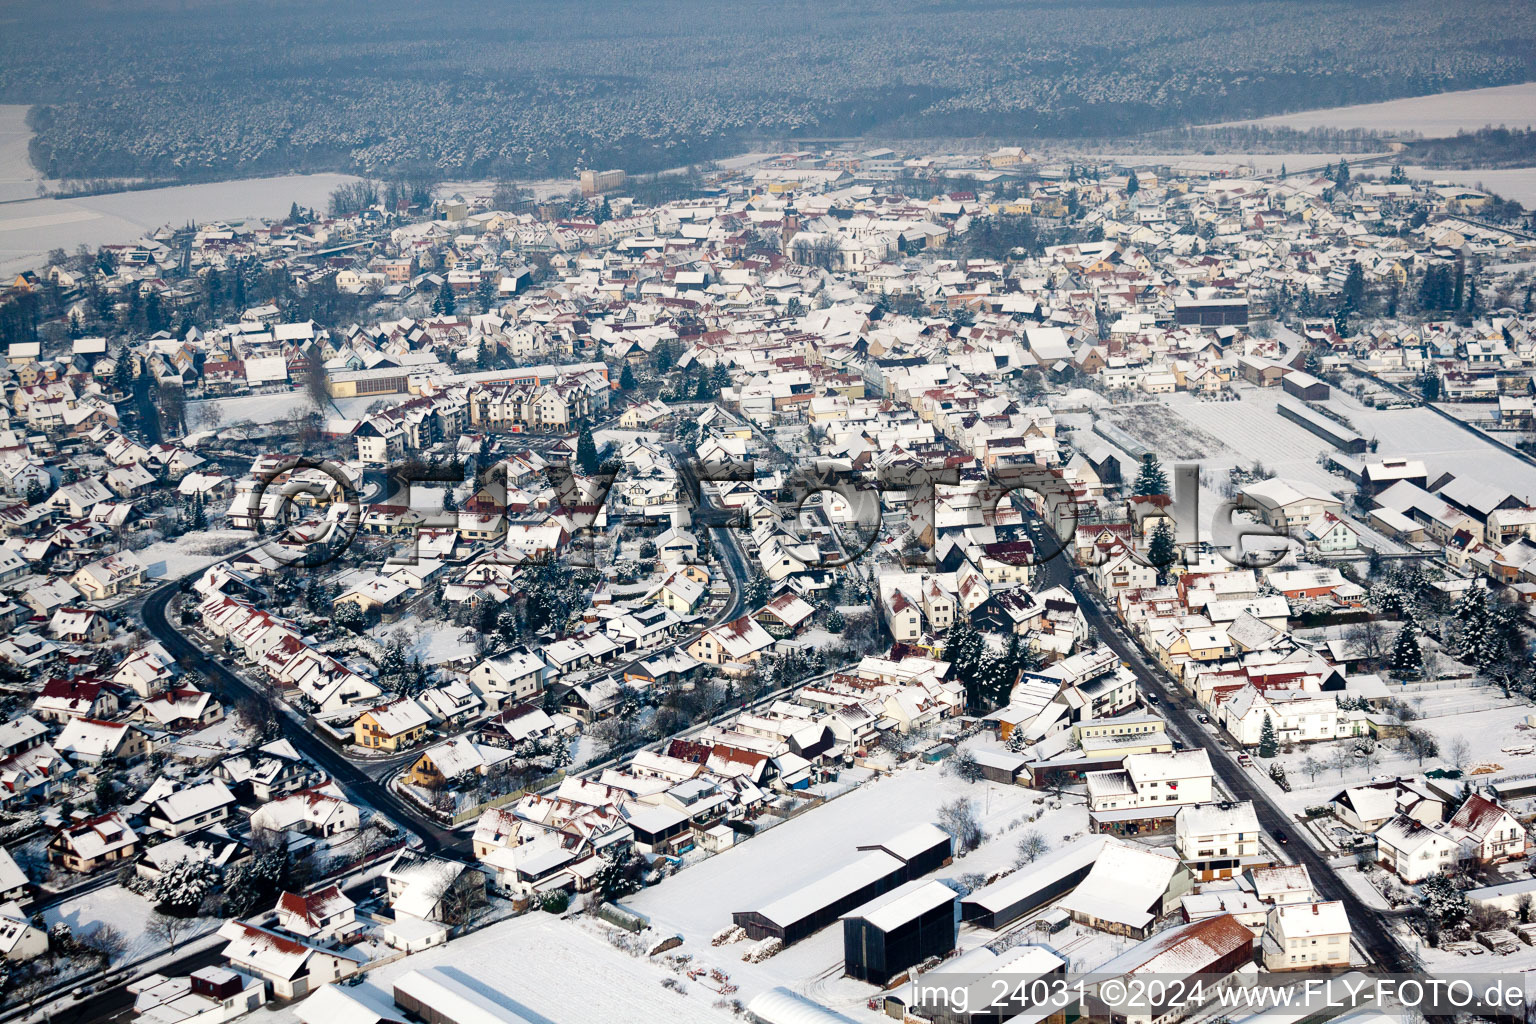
{"points": [[881, 868]]}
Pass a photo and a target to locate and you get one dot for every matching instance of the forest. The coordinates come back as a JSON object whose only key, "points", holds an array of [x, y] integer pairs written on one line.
{"points": [[225, 88]]}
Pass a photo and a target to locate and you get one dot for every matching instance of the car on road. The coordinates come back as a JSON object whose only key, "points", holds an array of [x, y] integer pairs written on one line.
{"points": [[1204, 719], [1281, 836], [1244, 760], [1152, 698]]}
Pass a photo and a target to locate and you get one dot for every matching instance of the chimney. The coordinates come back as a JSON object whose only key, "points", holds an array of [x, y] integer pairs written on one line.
{"points": [[1314, 909]]}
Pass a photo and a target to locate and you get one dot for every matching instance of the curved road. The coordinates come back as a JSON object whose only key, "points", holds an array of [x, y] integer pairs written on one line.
{"points": [[232, 687]]}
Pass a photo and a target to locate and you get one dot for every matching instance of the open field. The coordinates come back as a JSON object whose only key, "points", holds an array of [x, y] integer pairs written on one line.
{"points": [[1517, 183], [1513, 106], [30, 226]]}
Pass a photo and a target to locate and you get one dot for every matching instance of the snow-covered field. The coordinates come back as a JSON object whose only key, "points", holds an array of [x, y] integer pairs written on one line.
{"points": [[698, 901], [1445, 448], [550, 971], [127, 913], [253, 408], [1252, 430], [1499, 749], [1513, 106], [433, 644], [168, 559], [29, 229], [1517, 183]]}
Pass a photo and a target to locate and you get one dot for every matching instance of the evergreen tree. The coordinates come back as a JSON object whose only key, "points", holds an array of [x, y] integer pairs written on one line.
{"points": [[1162, 552], [1341, 179], [485, 291], [122, 373], [973, 666], [199, 515], [446, 302], [835, 622], [1150, 479], [1354, 287], [627, 379], [758, 589], [1398, 175], [483, 356], [586, 452], [1406, 660], [1132, 184], [1268, 747]]}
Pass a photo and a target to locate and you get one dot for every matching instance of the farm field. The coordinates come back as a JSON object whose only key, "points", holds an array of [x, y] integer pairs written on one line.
{"points": [[1513, 106]]}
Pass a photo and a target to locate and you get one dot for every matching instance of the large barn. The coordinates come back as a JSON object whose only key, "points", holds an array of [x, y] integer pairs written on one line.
{"points": [[998, 905], [878, 869], [904, 927]]}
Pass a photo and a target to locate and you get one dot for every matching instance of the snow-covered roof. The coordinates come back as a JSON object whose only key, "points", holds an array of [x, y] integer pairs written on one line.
{"points": [[1304, 920], [452, 1000], [1125, 885], [904, 903], [781, 1006]]}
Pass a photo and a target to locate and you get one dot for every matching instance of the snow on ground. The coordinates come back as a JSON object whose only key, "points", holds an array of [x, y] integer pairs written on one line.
{"points": [[170, 559], [1497, 743], [1445, 447], [1252, 430], [1517, 183], [29, 226], [1513, 106], [549, 971], [698, 901], [124, 911], [258, 409], [433, 644]]}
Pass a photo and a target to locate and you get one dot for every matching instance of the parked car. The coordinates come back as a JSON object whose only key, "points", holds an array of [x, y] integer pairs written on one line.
{"points": [[1281, 837], [1244, 760], [1204, 719]]}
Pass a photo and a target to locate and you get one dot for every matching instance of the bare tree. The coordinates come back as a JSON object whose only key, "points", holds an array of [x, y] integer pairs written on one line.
{"points": [[1459, 750], [960, 820], [317, 382], [167, 929], [1421, 744], [105, 939], [1340, 758], [1311, 765], [1032, 846], [1368, 638]]}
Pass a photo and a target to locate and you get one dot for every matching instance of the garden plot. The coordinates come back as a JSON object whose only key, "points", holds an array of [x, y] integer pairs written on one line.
{"points": [[1164, 431], [1252, 431], [172, 559], [126, 914], [1499, 747], [698, 901]]}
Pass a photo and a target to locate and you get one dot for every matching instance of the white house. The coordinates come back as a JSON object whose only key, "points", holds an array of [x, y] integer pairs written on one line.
{"points": [[1306, 936]]}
